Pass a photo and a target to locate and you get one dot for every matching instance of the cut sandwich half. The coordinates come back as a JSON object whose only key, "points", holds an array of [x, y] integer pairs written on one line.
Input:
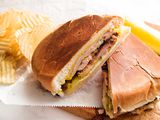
{"points": [[75, 51], [132, 78]]}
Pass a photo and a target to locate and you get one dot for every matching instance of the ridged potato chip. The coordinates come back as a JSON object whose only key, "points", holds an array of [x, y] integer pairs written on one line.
{"points": [[10, 46], [20, 33], [7, 71], [14, 23], [5, 46], [2, 56], [30, 20], [28, 41], [8, 23], [2, 31]]}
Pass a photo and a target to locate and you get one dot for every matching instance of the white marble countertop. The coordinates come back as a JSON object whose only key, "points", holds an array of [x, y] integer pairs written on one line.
{"points": [[142, 9]]}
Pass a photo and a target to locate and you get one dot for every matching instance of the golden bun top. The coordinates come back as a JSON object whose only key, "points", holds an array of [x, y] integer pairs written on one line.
{"points": [[134, 75], [56, 50]]}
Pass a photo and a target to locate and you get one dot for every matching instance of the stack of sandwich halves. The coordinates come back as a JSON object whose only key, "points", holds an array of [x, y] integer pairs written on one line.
{"points": [[74, 52]]}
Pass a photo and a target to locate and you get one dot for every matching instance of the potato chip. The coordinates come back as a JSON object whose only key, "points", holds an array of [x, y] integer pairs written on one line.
{"points": [[14, 23], [10, 46], [7, 71], [20, 33], [8, 22], [2, 31], [15, 51], [5, 45], [28, 41], [30, 20], [2, 56]]}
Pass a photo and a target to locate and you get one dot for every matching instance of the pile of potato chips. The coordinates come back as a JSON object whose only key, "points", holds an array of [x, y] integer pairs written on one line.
{"points": [[20, 33]]}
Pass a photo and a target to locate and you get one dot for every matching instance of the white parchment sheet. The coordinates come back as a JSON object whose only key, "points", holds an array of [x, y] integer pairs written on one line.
{"points": [[27, 90]]}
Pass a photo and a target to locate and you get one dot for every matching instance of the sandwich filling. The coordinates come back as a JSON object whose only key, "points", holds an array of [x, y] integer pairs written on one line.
{"points": [[107, 100], [95, 53]]}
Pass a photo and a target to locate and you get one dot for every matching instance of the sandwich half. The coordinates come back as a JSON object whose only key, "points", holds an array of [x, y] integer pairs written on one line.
{"points": [[131, 78], [75, 51]]}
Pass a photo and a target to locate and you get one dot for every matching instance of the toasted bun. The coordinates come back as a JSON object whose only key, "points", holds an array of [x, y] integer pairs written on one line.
{"points": [[55, 58], [134, 77], [147, 112]]}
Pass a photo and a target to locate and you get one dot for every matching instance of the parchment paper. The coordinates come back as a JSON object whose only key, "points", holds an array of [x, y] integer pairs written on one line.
{"points": [[28, 91]]}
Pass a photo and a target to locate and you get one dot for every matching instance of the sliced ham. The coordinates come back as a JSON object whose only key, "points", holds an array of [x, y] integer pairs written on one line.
{"points": [[98, 49]]}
